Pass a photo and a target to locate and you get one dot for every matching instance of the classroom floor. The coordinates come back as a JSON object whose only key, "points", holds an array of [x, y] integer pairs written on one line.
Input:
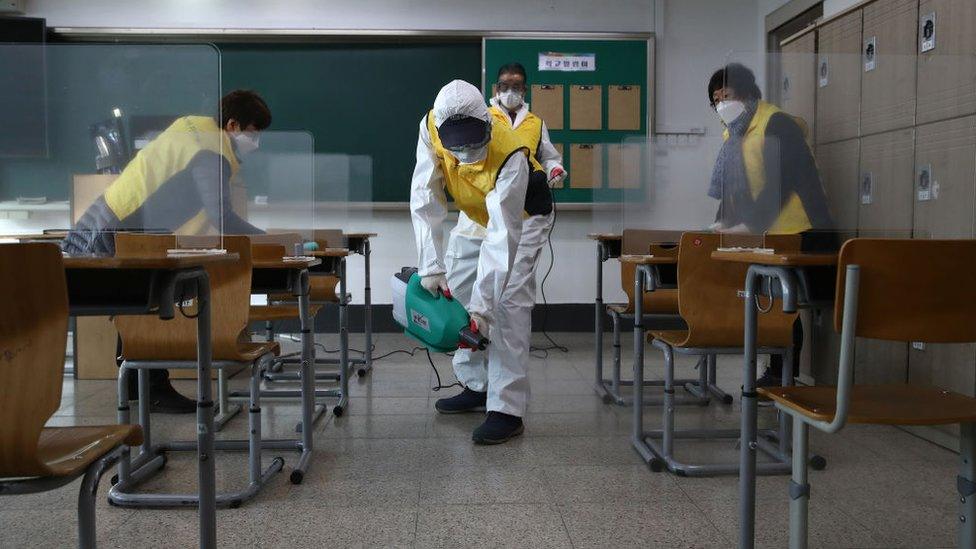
{"points": [[392, 472]]}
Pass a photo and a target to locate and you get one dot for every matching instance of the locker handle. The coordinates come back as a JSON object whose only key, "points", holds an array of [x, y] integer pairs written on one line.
{"points": [[624, 88], [547, 87], [585, 88], [585, 146]]}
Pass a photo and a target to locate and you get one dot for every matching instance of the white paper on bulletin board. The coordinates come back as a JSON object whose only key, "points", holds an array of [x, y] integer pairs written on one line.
{"points": [[567, 62]]}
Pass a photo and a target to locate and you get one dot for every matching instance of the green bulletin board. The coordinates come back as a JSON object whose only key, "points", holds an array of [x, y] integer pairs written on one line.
{"points": [[618, 62]]}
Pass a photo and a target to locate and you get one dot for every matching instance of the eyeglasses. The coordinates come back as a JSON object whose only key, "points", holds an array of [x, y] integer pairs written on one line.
{"points": [[505, 86]]}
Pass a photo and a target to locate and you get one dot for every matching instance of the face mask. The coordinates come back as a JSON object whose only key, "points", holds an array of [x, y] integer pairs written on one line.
{"points": [[470, 156], [246, 143], [729, 111], [510, 99]]}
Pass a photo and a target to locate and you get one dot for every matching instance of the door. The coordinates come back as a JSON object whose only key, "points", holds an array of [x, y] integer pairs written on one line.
{"points": [[839, 79], [889, 60]]}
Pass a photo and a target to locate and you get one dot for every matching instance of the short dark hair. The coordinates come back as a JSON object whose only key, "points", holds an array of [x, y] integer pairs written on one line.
{"points": [[512, 68], [247, 108], [739, 78]]}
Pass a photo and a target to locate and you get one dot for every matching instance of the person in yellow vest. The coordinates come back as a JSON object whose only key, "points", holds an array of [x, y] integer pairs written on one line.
{"points": [[508, 105], [181, 176], [490, 260], [765, 177], [180, 182]]}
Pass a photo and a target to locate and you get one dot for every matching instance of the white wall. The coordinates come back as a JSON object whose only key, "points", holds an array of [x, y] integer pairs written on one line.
{"points": [[833, 7], [534, 15], [694, 37]]}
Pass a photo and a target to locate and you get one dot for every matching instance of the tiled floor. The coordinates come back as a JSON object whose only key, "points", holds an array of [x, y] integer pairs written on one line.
{"points": [[393, 473]]}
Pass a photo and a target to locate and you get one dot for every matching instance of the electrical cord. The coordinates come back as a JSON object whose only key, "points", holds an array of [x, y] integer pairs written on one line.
{"points": [[543, 352]]}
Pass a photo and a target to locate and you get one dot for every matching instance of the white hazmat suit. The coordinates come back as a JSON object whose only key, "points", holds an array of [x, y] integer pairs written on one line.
{"points": [[491, 270]]}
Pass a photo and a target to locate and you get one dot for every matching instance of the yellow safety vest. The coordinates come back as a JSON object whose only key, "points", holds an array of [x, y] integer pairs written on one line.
{"points": [[529, 133], [164, 157], [793, 217], [468, 184]]}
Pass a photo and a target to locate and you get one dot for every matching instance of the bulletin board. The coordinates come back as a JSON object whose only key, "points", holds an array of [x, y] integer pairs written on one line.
{"points": [[594, 96]]}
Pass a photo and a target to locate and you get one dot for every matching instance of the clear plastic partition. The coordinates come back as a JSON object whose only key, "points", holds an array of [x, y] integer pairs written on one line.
{"points": [[102, 138], [275, 191], [787, 175]]}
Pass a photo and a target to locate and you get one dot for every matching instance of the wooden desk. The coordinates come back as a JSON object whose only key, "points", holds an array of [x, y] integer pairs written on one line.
{"points": [[788, 269], [152, 285], [649, 260], [54, 236]]}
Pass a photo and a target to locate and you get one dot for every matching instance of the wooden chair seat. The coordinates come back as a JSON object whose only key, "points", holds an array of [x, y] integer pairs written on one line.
{"points": [[272, 313], [658, 302], [68, 451], [682, 338], [322, 289], [897, 404], [249, 351]]}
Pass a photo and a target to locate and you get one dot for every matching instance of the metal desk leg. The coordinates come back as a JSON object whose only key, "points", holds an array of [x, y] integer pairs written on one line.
{"points": [[308, 373], [368, 311], [205, 419], [598, 324], [747, 443], [343, 341], [966, 486]]}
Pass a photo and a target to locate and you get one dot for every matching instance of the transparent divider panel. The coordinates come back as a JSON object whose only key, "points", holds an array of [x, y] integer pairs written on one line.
{"points": [[275, 191], [101, 138]]}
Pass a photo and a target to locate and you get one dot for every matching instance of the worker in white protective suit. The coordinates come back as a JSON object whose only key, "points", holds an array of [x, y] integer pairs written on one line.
{"points": [[491, 256], [508, 105]]}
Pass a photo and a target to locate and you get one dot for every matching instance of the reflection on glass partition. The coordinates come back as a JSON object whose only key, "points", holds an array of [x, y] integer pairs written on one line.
{"points": [[132, 140]]}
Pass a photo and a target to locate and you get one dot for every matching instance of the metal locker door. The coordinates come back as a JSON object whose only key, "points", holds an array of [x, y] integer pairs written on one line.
{"points": [[947, 71], [885, 198], [888, 64], [838, 163], [945, 207], [798, 88], [839, 79]]}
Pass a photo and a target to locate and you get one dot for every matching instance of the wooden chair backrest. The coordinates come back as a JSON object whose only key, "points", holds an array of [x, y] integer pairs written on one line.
{"points": [[644, 242], [329, 238], [149, 338], [33, 336], [911, 290], [708, 295]]}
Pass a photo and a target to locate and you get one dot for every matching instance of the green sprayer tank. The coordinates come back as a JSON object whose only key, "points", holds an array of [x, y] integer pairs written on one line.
{"points": [[440, 323]]}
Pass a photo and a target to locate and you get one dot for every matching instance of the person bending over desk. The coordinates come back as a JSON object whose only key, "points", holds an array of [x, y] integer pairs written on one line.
{"points": [[765, 177], [180, 182]]}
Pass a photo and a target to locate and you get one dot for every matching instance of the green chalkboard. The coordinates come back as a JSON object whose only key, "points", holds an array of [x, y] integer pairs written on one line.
{"points": [[361, 100], [618, 62]]}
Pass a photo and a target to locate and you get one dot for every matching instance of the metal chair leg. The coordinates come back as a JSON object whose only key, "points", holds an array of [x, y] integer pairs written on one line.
{"points": [[226, 409], [966, 484], [799, 489], [86, 498]]}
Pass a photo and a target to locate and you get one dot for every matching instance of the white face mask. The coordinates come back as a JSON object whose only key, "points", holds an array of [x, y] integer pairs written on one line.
{"points": [[510, 99], [728, 111], [470, 156], [246, 142]]}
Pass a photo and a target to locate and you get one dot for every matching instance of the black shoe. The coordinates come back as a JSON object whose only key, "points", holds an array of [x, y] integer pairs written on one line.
{"points": [[467, 401], [498, 428], [165, 399]]}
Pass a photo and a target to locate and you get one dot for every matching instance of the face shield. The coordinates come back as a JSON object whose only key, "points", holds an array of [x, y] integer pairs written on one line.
{"points": [[466, 137]]}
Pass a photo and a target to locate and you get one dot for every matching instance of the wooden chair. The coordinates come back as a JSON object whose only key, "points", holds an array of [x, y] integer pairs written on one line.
{"points": [[660, 306], [709, 303], [33, 335], [893, 290], [149, 342]]}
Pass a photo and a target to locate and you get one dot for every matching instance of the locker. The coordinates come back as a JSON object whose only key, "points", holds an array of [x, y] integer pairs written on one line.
{"points": [[949, 148], [947, 72], [888, 66], [885, 199], [839, 79], [886, 192], [945, 179], [838, 164], [798, 89]]}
